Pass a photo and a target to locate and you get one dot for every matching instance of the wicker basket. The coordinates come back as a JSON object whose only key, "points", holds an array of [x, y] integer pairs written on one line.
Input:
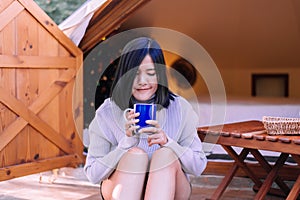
{"points": [[281, 125]]}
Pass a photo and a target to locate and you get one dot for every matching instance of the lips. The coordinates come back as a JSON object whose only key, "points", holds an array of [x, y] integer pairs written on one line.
{"points": [[143, 89]]}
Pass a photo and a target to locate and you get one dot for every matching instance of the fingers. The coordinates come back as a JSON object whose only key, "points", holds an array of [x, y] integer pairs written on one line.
{"points": [[153, 123], [131, 130], [131, 115], [158, 138], [152, 129], [130, 124]]}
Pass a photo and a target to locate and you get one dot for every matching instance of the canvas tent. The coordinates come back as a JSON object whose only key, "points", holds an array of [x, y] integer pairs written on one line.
{"points": [[96, 19]]}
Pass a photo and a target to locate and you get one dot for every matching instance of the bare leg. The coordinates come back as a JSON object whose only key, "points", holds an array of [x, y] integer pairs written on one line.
{"points": [[128, 179], [166, 178]]}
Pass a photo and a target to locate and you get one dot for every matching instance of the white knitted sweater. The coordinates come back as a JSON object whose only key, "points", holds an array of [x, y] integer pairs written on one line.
{"points": [[108, 141]]}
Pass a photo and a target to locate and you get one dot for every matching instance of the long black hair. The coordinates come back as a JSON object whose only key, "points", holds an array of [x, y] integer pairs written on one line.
{"points": [[131, 58]]}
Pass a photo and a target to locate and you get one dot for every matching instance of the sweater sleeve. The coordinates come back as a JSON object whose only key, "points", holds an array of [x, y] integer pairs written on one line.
{"points": [[103, 157], [188, 147]]}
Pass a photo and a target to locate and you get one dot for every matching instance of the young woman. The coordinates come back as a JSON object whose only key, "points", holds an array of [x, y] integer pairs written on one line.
{"points": [[155, 164]]}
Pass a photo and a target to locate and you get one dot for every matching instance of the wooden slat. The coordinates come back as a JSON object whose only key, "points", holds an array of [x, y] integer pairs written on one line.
{"points": [[104, 24], [236, 129], [10, 13], [264, 163], [287, 172], [263, 190], [37, 62], [51, 92], [49, 113], [11, 131], [4, 4], [295, 191], [8, 76], [19, 108], [26, 93], [50, 25], [39, 166]]}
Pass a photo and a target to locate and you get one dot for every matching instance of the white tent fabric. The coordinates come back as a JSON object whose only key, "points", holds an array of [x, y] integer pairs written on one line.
{"points": [[75, 25]]}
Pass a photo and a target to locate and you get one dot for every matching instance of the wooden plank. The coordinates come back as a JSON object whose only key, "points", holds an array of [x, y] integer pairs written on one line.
{"points": [[10, 13], [265, 165], [246, 127], [78, 106], [27, 44], [295, 191], [50, 25], [26, 80], [228, 177], [39, 166], [288, 172], [51, 92], [9, 133], [19, 108], [263, 190], [48, 47], [110, 19], [8, 81], [4, 4], [37, 62]]}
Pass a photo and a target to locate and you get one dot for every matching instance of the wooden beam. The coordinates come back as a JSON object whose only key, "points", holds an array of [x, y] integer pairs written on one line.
{"points": [[37, 62], [10, 13], [39, 166], [288, 172], [110, 19]]}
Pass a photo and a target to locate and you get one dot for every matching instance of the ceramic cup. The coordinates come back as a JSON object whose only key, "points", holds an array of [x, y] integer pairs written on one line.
{"points": [[147, 112]]}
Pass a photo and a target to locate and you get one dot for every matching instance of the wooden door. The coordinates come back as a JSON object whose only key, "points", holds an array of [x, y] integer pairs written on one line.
{"points": [[40, 107]]}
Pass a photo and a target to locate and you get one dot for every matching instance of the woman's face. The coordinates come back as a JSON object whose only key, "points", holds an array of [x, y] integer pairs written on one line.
{"points": [[145, 82]]}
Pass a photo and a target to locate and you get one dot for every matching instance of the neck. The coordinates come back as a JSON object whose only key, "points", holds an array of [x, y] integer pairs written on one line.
{"points": [[151, 100]]}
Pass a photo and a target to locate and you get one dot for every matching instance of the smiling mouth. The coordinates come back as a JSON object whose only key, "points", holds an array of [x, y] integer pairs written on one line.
{"points": [[143, 89]]}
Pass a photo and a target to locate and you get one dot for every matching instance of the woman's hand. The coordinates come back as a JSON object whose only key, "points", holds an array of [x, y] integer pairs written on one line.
{"points": [[130, 125], [156, 134]]}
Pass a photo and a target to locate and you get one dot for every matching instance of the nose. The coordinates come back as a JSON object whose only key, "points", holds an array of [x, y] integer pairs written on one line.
{"points": [[142, 79]]}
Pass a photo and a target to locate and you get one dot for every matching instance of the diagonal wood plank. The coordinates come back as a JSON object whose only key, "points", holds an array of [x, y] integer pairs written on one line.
{"points": [[10, 13], [55, 88], [40, 62], [20, 109]]}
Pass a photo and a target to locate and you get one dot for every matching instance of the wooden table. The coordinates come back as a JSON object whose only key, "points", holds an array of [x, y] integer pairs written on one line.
{"points": [[252, 137]]}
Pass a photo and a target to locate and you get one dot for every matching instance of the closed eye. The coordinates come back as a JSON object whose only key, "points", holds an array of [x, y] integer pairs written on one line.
{"points": [[151, 72]]}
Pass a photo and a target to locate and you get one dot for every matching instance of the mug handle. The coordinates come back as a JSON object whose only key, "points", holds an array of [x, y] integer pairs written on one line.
{"points": [[125, 111]]}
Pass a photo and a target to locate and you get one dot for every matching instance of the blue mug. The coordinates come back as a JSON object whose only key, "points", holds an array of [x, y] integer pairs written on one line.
{"points": [[147, 112]]}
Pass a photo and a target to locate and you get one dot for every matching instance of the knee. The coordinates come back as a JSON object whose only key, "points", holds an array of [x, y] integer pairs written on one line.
{"points": [[164, 158], [134, 160], [136, 150], [164, 153]]}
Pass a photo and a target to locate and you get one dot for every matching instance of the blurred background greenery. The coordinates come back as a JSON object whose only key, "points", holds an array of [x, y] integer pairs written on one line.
{"points": [[59, 10]]}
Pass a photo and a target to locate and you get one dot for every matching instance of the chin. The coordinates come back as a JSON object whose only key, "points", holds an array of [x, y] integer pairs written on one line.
{"points": [[142, 97]]}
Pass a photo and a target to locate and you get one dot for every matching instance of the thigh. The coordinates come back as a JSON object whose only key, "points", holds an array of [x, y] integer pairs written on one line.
{"points": [[166, 178], [127, 181]]}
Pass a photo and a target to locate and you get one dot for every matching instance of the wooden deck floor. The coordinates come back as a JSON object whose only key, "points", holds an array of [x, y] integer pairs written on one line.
{"points": [[71, 184]]}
